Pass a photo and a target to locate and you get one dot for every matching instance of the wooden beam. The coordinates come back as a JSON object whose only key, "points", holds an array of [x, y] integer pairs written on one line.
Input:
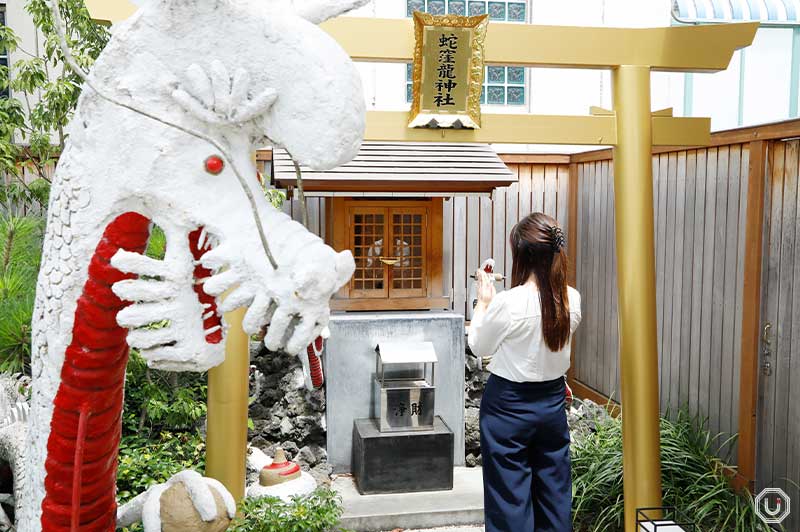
{"points": [[498, 128], [572, 247], [778, 130], [669, 131], [392, 126], [751, 316], [582, 391], [675, 49], [534, 158]]}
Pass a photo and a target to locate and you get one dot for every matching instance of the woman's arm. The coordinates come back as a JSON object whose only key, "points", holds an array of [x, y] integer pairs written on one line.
{"points": [[490, 320]]}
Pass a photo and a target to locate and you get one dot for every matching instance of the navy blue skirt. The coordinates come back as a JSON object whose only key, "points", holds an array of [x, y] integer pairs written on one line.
{"points": [[525, 451]]}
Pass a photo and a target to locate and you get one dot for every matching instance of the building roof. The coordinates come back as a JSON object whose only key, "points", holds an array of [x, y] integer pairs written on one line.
{"points": [[383, 167], [766, 11]]}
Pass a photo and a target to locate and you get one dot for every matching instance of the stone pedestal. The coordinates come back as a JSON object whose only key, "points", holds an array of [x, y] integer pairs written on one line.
{"points": [[350, 372], [402, 462]]}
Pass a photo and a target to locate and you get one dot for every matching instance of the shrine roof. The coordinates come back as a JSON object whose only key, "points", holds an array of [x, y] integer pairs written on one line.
{"points": [[385, 167]]}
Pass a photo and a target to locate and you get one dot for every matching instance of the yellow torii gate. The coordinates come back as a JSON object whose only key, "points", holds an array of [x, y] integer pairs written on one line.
{"points": [[631, 128]]}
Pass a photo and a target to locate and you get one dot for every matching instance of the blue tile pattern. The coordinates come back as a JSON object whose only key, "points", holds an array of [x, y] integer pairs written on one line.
{"points": [[516, 75], [436, 7], [517, 11], [497, 10], [409, 71], [457, 7], [477, 8], [516, 95], [496, 95], [414, 5], [496, 74], [409, 92]]}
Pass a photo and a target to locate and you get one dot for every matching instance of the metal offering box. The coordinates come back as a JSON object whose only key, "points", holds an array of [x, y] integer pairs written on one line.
{"points": [[405, 386]]}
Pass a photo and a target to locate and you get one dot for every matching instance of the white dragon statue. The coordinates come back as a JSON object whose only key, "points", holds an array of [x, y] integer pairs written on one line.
{"points": [[164, 132]]}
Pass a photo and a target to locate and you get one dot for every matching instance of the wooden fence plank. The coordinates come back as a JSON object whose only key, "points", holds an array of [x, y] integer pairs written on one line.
{"points": [[512, 217], [562, 207], [595, 284], [573, 205], [793, 436], [550, 190], [472, 241], [751, 318], [448, 243], [660, 176], [728, 352], [718, 294], [460, 255], [582, 273], [525, 184], [687, 260], [537, 189], [676, 355], [615, 393], [698, 354], [485, 250], [610, 326], [499, 235], [744, 181], [767, 386], [783, 354]]}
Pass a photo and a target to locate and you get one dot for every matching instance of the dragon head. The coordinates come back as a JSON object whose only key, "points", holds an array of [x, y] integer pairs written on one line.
{"points": [[277, 77]]}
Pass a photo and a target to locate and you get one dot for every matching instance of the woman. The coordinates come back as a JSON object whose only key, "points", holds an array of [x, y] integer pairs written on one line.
{"points": [[524, 433]]}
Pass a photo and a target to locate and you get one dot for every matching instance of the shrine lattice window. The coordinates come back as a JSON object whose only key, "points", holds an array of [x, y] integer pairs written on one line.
{"points": [[397, 247]]}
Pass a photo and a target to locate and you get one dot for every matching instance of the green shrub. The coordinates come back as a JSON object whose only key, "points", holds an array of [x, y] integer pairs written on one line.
{"points": [[320, 511], [694, 479], [144, 462], [157, 401], [20, 255]]}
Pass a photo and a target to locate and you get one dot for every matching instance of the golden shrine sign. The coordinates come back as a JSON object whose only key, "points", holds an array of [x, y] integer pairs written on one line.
{"points": [[448, 71]]}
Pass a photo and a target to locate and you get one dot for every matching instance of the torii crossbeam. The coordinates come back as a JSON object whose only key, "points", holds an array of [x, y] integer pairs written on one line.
{"points": [[631, 128]]}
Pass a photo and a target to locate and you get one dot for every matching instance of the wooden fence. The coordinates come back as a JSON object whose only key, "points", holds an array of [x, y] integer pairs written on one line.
{"points": [[721, 214], [700, 199]]}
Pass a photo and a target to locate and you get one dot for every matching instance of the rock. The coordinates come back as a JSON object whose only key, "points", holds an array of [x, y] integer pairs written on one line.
{"points": [[306, 458], [472, 435], [322, 474], [178, 514], [471, 460], [286, 426]]}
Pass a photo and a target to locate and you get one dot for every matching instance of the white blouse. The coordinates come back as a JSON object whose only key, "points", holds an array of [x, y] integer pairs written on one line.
{"points": [[510, 331]]}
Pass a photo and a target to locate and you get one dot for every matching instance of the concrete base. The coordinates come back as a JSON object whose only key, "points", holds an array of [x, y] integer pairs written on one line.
{"points": [[402, 462], [463, 505], [350, 371]]}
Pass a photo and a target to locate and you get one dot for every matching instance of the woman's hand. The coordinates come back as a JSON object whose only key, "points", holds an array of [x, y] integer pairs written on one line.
{"points": [[486, 289]]}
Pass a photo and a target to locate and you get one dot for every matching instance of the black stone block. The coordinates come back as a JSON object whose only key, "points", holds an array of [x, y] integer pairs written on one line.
{"points": [[402, 462]]}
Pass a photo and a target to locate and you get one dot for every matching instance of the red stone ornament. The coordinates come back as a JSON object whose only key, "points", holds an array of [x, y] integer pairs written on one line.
{"points": [[215, 165]]}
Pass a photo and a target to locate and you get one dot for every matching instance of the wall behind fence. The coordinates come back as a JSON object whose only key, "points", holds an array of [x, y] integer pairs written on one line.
{"points": [[700, 199]]}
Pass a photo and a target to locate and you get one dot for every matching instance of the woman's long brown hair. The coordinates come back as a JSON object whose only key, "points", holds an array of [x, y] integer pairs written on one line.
{"points": [[537, 246]]}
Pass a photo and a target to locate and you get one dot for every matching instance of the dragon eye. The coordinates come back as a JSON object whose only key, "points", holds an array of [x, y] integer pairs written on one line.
{"points": [[215, 165]]}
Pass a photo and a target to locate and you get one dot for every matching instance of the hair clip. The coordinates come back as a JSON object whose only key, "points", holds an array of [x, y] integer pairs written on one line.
{"points": [[557, 241]]}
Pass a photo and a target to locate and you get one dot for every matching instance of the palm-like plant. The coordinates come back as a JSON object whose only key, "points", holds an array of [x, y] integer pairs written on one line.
{"points": [[20, 255], [694, 479]]}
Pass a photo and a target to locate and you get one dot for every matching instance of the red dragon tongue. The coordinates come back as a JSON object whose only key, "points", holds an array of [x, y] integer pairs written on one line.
{"points": [[488, 268]]}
